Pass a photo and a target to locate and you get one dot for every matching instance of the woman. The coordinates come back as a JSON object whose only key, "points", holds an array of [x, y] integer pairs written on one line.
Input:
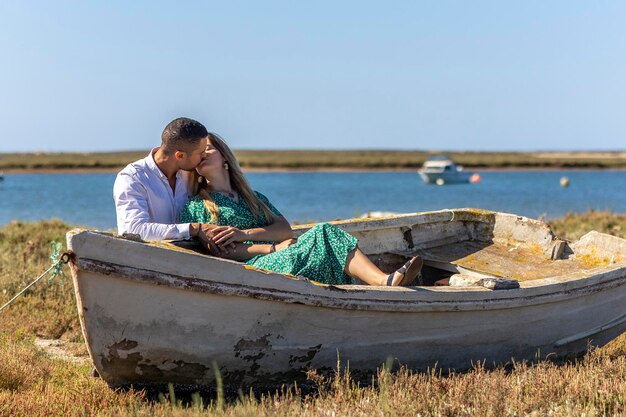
{"points": [[251, 229]]}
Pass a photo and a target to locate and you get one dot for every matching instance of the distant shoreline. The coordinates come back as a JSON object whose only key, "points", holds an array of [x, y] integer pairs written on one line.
{"points": [[325, 161], [20, 171]]}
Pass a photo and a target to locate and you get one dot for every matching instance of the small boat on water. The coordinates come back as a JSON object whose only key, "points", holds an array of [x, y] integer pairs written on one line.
{"points": [[440, 170], [161, 312]]}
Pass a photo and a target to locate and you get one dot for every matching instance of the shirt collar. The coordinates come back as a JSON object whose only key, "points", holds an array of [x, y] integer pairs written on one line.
{"points": [[153, 166]]}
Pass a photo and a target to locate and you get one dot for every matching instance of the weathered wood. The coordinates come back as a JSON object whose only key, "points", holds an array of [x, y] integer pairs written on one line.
{"points": [[499, 283], [492, 283], [595, 249], [558, 249]]}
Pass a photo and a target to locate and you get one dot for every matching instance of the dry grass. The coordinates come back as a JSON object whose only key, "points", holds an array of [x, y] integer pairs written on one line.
{"points": [[573, 226], [34, 383], [394, 159], [57, 160], [48, 309]]}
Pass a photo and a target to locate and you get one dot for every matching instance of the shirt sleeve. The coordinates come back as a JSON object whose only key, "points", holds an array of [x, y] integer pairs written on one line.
{"points": [[133, 212], [268, 204]]}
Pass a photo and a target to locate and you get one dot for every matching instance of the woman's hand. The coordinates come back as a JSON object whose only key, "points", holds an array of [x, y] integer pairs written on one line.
{"points": [[225, 236], [285, 244]]}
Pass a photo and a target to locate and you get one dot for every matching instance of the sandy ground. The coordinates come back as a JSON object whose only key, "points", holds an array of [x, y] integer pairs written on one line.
{"points": [[67, 351]]}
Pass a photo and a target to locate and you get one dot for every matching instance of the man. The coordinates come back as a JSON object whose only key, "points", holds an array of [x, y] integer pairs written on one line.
{"points": [[150, 193]]}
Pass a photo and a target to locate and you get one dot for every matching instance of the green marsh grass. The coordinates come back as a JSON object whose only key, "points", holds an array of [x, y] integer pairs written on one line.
{"points": [[35, 383]]}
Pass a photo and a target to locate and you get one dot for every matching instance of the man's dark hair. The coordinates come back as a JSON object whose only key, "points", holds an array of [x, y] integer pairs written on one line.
{"points": [[182, 134]]}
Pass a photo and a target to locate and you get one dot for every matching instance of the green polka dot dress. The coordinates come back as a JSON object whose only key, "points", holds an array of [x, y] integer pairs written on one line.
{"points": [[319, 254]]}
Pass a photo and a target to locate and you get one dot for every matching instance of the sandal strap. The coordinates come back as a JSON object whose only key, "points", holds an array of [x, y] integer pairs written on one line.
{"points": [[390, 279], [404, 268]]}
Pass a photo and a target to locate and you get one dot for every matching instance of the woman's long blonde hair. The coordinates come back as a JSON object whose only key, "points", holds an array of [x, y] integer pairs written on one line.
{"points": [[238, 181]]}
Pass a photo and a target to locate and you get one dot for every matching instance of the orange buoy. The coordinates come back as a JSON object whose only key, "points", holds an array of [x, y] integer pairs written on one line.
{"points": [[475, 178]]}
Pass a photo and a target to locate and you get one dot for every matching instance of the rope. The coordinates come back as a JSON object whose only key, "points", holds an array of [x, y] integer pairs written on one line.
{"points": [[55, 267]]}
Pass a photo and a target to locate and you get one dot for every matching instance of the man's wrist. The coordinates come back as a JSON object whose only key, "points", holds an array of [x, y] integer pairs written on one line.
{"points": [[194, 229]]}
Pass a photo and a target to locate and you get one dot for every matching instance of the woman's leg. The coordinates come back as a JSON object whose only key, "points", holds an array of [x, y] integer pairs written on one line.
{"points": [[359, 266]]}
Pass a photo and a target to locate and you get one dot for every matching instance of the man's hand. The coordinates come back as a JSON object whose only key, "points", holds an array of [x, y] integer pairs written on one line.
{"points": [[227, 235], [206, 236], [193, 229]]}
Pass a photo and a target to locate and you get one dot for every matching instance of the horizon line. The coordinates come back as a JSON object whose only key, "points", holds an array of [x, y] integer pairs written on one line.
{"points": [[572, 151]]}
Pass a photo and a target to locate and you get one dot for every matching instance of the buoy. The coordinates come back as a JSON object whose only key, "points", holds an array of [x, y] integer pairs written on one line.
{"points": [[564, 182], [440, 181], [475, 178]]}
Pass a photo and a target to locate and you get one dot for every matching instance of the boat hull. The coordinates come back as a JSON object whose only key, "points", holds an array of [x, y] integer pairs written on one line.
{"points": [[459, 177], [166, 316], [183, 337]]}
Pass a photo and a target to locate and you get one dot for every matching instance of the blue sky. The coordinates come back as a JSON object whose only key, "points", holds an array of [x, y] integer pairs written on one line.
{"points": [[439, 75]]}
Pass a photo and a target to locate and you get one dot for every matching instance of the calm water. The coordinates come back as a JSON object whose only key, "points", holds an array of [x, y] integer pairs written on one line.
{"points": [[86, 199]]}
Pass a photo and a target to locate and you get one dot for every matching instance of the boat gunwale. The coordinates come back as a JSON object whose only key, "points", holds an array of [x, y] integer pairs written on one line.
{"points": [[493, 300], [411, 220]]}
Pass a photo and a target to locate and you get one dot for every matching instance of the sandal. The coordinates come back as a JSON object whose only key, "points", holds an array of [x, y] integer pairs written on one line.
{"points": [[411, 271]]}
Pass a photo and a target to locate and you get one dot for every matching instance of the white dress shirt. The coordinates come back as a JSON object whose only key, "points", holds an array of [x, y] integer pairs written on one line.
{"points": [[146, 204]]}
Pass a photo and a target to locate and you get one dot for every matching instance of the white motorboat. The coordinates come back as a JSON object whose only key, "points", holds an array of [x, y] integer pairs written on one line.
{"points": [[442, 170]]}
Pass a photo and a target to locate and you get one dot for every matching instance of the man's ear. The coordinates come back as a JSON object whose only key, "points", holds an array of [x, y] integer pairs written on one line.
{"points": [[179, 155]]}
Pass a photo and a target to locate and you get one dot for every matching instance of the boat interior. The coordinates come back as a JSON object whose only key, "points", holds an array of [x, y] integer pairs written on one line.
{"points": [[468, 246]]}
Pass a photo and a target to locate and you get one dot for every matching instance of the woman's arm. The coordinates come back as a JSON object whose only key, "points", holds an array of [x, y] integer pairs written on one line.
{"points": [[245, 251], [278, 231]]}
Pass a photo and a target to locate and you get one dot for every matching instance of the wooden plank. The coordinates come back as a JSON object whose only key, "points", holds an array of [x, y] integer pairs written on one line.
{"points": [[520, 262]]}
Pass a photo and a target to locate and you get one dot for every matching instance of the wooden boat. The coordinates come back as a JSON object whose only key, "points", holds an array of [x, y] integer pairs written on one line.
{"points": [[155, 312], [440, 170]]}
